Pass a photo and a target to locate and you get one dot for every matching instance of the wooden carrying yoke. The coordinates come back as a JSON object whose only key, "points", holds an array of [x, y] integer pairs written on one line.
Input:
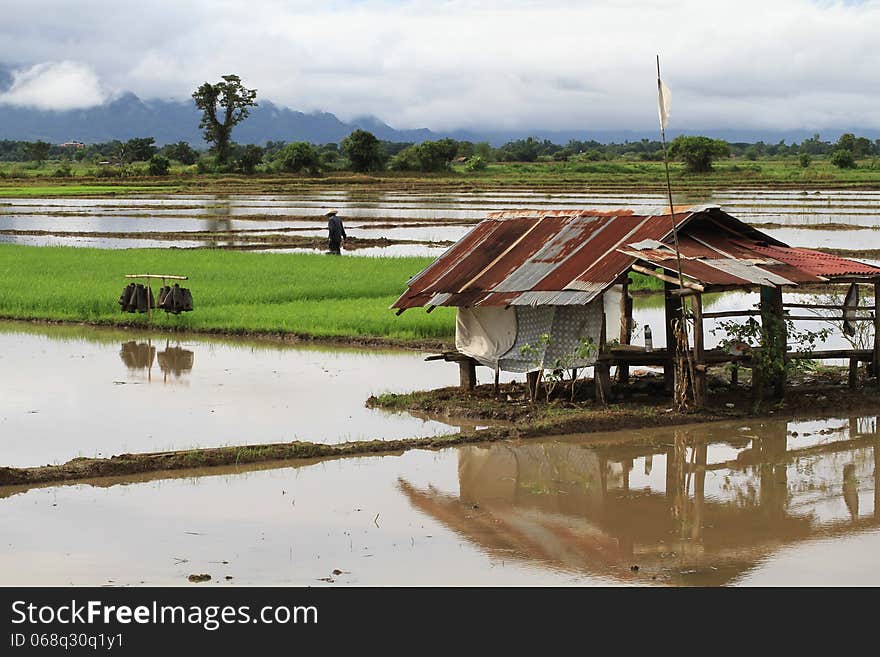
{"points": [[164, 277]]}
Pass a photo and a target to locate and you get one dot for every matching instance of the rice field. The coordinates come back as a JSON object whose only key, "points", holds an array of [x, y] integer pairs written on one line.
{"points": [[234, 292]]}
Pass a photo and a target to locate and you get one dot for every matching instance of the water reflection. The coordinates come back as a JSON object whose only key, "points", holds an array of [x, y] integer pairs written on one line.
{"points": [[241, 392], [698, 506], [175, 361]]}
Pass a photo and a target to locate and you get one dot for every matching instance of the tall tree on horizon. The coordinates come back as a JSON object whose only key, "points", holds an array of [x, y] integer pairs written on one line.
{"points": [[224, 105]]}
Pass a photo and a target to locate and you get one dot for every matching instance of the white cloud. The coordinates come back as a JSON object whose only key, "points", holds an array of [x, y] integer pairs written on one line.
{"points": [[54, 86], [557, 64]]}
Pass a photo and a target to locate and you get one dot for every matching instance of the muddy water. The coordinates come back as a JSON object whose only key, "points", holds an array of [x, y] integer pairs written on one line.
{"points": [[128, 216], [765, 503], [87, 392]]}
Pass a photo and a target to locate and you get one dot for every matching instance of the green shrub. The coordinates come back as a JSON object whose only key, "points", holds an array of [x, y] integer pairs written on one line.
{"points": [[475, 163], [158, 166], [298, 157], [843, 159]]}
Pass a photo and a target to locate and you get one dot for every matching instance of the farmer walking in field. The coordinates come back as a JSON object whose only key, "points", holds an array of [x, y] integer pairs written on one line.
{"points": [[337, 231]]}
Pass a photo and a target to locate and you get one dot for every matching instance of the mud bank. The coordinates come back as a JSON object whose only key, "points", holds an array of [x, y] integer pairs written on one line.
{"points": [[815, 399], [127, 464]]}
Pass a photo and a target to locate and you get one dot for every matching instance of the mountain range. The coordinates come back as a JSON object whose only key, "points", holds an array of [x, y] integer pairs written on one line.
{"points": [[168, 121]]}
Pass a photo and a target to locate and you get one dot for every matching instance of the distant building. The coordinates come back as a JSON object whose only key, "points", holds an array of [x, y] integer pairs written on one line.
{"points": [[73, 144]]}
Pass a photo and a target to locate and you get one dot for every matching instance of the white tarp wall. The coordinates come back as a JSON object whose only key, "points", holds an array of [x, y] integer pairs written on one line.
{"points": [[496, 337]]}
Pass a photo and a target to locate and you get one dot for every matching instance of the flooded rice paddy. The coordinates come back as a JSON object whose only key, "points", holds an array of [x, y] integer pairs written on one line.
{"points": [[90, 392], [749, 503], [426, 221], [745, 503]]}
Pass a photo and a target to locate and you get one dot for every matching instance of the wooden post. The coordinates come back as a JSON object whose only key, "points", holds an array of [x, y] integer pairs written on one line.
{"points": [[467, 373], [673, 312], [853, 377], [773, 321], [602, 369], [875, 360], [700, 383], [532, 383], [626, 313]]}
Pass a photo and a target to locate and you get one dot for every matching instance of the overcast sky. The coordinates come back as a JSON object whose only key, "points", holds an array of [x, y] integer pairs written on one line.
{"points": [[774, 64]]}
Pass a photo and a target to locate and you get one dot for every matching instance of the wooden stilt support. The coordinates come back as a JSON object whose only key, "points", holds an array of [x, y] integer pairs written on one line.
{"points": [[853, 376], [602, 377], [673, 312], [700, 378], [626, 313], [532, 383], [875, 360], [602, 369], [467, 373], [773, 321]]}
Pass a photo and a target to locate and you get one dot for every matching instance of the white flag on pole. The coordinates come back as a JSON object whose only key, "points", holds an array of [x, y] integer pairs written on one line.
{"points": [[664, 99]]}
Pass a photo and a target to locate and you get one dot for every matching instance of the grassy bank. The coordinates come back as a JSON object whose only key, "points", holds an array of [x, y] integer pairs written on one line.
{"points": [[234, 292]]}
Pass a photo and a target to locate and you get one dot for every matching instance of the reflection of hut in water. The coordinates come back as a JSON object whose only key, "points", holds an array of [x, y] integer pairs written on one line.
{"points": [[137, 355], [603, 509]]}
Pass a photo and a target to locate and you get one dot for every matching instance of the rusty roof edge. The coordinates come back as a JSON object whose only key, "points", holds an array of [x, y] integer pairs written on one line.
{"points": [[437, 260]]}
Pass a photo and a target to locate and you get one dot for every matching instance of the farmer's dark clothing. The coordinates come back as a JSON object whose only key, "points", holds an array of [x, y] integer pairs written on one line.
{"points": [[337, 234]]}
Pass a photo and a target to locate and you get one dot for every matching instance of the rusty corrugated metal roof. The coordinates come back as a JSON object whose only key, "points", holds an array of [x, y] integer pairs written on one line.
{"points": [[560, 257]]}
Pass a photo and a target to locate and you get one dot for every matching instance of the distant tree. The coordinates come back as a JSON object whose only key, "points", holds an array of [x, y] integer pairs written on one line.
{"points": [[465, 149], [158, 166], [406, 160], [182, 152], [299, 157], [363, 151], [436, 155], [484, 150], [521, 150], [329, 155], [139, 149], [805, 159], [37, 151], [248, 158], [224, 105], [751, 153], [814, 145], [392, 148], [843, 159], [698, 152]]}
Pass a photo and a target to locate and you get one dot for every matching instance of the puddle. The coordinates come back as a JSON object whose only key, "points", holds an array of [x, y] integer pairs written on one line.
{"points": [[716, 504], [89, 392]]}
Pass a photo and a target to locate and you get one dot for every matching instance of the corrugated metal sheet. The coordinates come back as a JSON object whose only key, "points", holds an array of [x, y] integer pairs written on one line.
{"points": [[818, 263], [566, 257]]}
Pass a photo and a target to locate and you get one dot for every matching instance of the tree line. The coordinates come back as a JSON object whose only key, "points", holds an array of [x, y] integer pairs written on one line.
{"points": [[227, 103]]}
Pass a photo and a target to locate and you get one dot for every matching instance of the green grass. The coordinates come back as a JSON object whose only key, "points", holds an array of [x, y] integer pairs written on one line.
{"points": [[76, 190], [620, 174], [234, 292]]}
